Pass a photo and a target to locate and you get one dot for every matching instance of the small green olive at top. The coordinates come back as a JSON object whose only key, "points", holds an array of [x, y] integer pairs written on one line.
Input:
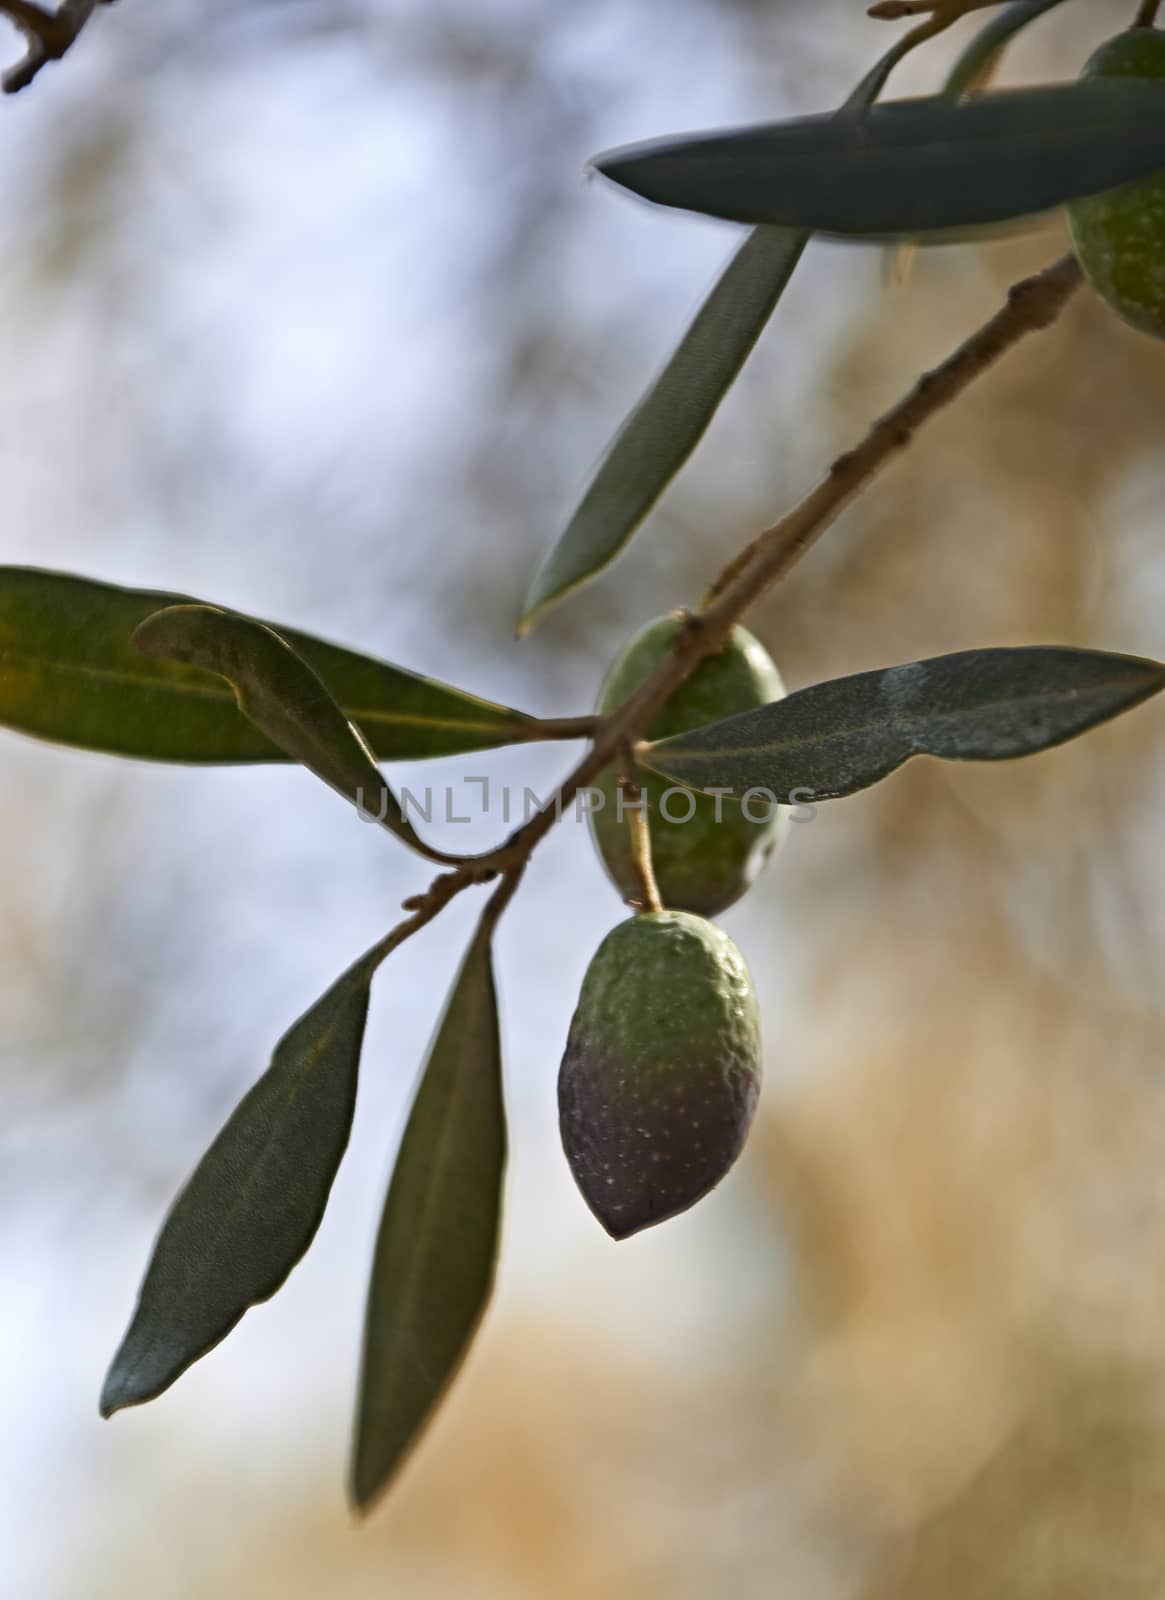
{"points": [[1120, 236], [662, 1069], [706, 851]]}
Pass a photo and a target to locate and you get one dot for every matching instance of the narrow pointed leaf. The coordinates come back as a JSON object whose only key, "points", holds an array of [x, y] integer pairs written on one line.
{"points": [[669, 421], [911, 166], [838, 737], [987, 46], [69, 673], [282, 696], [255, 1201], [434, 1262]]}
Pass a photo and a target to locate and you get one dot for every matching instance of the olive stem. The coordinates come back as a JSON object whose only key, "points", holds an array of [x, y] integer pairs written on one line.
{"points": [[1147, 13], [545, 729], [1032, 305], [634, 807], [501, 897]]}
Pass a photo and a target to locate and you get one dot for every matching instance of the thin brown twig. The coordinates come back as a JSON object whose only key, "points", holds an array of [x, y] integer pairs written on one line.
{"points": [[501, 897], [1147, 13], [49, 35], [426, 907], [564, 728], [947, 10], [1032, 305]]}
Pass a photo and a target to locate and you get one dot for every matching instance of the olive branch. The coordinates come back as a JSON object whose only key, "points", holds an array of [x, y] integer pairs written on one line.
{"points": [[125, 660], [1033, 305]]}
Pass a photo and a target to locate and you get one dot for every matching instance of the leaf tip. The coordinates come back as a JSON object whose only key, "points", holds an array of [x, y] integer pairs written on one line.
{"points": [[1149, 676], [552, 584], [116, 1392], [359, 1501], [367, 1481], [539, 598], [624, 166], [133, 1378], [600, 165]]}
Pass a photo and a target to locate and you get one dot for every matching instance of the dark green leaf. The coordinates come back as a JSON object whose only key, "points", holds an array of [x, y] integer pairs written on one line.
{"points": [[433, 1268], [282, 696], [672, 417], [68, 673], [255, 1201], [912, 166], [839, 737], [990, 42], [972, 66]]}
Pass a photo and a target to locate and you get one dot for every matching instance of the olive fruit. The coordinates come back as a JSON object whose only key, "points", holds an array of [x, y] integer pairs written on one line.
{"points": [[706, 850], [1120, 236], [662, 1069]]}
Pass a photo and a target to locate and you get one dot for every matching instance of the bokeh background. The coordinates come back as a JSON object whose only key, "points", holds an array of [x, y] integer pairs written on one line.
{"points": [[306, 308]]}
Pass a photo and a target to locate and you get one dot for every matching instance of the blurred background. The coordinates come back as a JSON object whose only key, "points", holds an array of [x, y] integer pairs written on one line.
{"points": [[307, 309]]}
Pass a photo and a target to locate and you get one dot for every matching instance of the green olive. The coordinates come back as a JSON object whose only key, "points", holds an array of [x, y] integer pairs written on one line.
{"points": [[662, 1069], [706, 850], [1120, 236]]}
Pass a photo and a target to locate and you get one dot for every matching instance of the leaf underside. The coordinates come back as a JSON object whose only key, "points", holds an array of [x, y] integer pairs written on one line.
{"points": [[910, 167], [839, 737]]}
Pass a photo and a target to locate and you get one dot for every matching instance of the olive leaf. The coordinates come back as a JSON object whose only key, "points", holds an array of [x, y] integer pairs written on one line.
{"points": [[910, 166], [69, 673], [669, 421], [255, 1201], [978, 59], [973, 69], [433, 1266], [282, 696], [838, 737]]}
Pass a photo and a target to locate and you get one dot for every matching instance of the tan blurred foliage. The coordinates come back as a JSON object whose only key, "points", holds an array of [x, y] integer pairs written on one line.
{"points": [[974, 1174]]}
